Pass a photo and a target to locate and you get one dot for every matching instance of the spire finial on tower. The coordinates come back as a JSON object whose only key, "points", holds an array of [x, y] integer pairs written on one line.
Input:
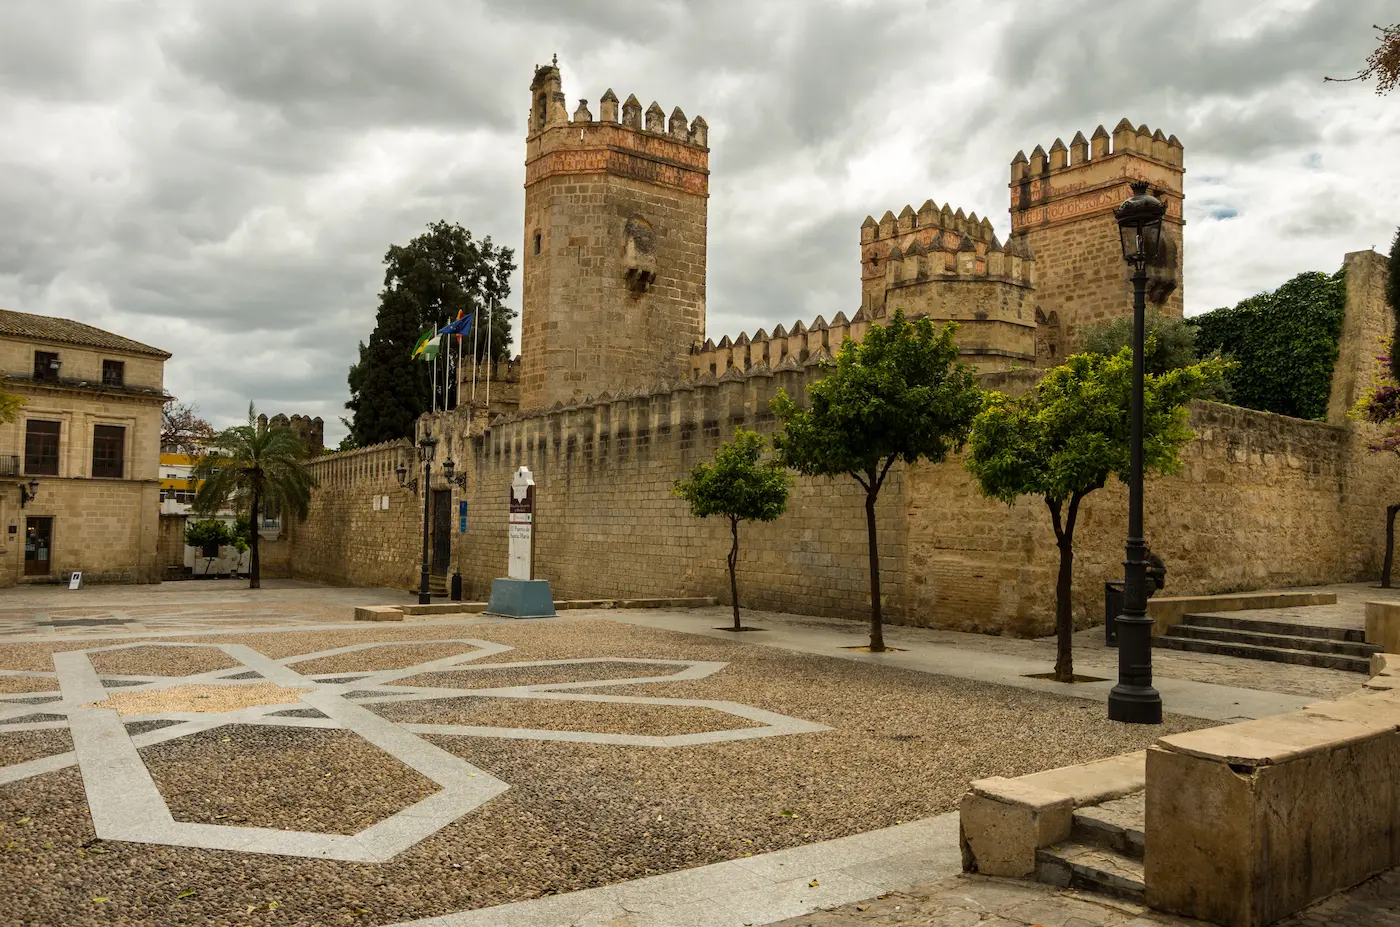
{"points": [[555, 61]]}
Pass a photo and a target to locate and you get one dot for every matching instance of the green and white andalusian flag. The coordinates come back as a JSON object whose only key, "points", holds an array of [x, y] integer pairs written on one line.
{"points": [[427, 346]]}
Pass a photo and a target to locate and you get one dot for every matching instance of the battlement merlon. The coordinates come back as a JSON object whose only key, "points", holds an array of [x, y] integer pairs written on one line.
{"points": [[1090, 176], [929, 220], [672, 152]]}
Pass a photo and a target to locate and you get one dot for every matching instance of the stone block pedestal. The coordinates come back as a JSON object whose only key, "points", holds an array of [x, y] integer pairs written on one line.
{"points": [[521, 598]]}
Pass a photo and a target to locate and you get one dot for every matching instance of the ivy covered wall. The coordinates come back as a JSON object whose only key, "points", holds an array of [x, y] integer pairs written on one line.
{"points": [[1285, 343]]}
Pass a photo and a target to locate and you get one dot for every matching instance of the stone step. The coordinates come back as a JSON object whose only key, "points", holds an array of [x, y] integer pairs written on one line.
{"points": [[1262, 625], [1273, 654], [1115, 825], [1091, 868], [1270, 639]]}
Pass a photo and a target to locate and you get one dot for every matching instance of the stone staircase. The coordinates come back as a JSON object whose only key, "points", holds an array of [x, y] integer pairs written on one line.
{"points": [[437, 584], [1277, 641], [1103, 853]]}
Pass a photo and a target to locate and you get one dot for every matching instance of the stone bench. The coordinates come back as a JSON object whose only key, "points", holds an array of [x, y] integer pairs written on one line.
{"points": [[1166, 611], [1251, 822], [444, 608], [1002, 822], [378, 613], [1383, 625]]}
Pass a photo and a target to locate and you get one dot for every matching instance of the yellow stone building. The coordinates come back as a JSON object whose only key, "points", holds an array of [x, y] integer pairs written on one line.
{"points": [[79, 486]]}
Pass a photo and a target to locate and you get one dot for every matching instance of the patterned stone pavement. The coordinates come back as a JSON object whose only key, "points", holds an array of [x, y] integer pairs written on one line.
{"points": [[126, 805], [976, 901]]}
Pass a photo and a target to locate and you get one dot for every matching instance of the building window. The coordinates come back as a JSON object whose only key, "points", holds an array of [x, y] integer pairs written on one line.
{"points": [[107, 443], [537, 242], [41, 448], [113, 373], [46, 365]]}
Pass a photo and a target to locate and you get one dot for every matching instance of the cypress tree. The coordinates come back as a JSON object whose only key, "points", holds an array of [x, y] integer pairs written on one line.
{"points": [[426, 283]]}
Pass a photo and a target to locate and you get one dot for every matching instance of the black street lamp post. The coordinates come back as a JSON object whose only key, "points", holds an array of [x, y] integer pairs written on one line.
{"points": [[1133, 699], [426, 448]]}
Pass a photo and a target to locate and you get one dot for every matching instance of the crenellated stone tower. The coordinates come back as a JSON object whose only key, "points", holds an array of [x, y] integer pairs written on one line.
{"points": [[1062, 207], [950, 266], [614, 257]]}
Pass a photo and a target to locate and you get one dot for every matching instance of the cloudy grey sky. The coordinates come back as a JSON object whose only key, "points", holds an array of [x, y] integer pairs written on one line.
{"points": [[221, 179]]}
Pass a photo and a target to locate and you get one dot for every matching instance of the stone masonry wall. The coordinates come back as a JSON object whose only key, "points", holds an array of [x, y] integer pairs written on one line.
{"points": [[170, 544], [345, 539], [607, 524], [1366, 331], [1262, 501]]}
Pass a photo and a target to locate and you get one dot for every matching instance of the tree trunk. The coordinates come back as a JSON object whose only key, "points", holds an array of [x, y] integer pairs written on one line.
{"points": [[254, 577], [877, 632], [1390, 513], [1064, 588], [733, 579]]}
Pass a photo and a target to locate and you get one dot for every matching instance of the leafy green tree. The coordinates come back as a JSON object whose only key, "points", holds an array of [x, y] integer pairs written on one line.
{"points": [[10, 404], [1065, 438], [257, 468], [1171, 344], [426, 283], [1285, 343], [1174, 344], [208, 536], [739, 487], [898, 395]]}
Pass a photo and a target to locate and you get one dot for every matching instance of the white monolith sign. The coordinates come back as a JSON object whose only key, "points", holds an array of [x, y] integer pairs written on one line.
{"points": [[521, 527]]}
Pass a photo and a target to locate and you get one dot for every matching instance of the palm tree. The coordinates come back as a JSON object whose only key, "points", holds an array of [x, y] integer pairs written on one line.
{"points": [[258, 467]]}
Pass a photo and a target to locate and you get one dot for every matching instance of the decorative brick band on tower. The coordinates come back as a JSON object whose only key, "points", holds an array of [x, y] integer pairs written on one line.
{"points": [[614, 257], [1062, 205]]}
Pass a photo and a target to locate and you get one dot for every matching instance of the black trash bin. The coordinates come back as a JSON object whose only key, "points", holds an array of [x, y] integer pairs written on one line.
{"points": [[456, 587], [1112, 608]]}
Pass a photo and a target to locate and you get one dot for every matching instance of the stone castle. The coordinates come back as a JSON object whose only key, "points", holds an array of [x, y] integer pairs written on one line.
{"points": [[614, 254], [619, 390]]}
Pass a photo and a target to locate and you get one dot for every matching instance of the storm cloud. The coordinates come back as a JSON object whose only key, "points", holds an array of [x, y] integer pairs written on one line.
{"points": [[222, 179]]}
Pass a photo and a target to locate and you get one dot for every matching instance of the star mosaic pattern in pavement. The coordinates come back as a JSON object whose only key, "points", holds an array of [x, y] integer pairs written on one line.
{"points": [[126, 804]]}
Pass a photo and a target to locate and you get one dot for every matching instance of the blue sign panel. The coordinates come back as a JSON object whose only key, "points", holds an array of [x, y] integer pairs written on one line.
{"points": [[462, 508]]}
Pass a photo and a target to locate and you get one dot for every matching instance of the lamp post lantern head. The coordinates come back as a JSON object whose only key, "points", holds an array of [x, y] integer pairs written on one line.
{"points": [[1140, 225], [402, 473], [427, 447]]}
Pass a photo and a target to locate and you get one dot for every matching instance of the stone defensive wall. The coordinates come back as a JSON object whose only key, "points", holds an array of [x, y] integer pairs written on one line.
{"points": [[1261, 501], [350, 538], [607, 524]]}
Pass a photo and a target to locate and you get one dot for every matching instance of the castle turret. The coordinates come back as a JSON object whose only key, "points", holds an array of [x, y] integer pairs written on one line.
{"points": [[1062, 208], [947, 264], [614, 259]]}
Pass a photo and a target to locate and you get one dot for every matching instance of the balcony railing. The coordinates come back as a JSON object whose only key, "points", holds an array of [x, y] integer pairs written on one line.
{"points": [[9, 465]]}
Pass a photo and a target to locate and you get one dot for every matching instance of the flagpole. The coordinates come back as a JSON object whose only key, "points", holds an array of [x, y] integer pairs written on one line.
{"points": [[433, 401], [475, 326], [490, 360], [457, 374]]}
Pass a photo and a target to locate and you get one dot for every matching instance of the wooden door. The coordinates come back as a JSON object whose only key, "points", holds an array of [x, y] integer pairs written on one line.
{"points": [[38, 546], [442, 531]]}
